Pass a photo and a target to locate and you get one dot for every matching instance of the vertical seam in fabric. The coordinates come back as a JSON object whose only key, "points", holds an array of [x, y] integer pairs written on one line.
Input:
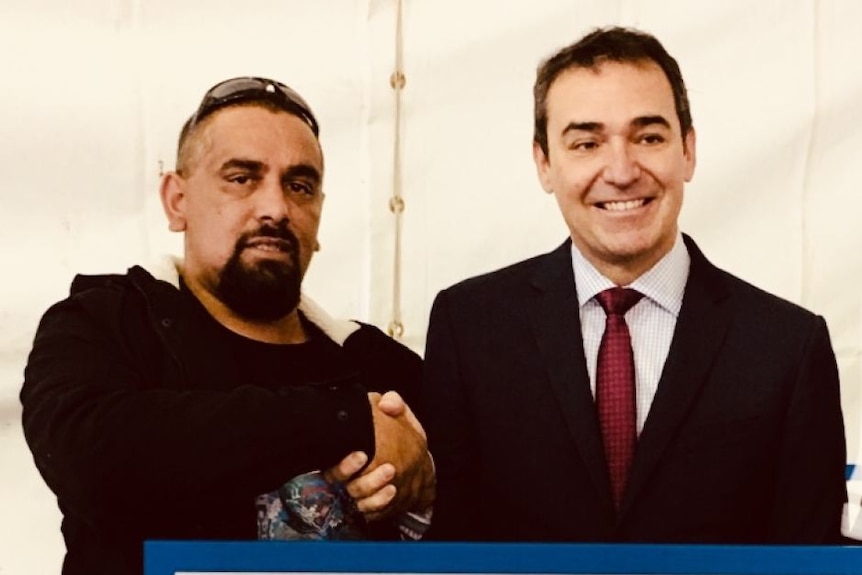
{"points": [[806, 266]]}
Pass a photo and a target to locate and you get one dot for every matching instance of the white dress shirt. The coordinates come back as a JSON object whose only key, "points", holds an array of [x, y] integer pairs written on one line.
{"points": [[651, 321]]}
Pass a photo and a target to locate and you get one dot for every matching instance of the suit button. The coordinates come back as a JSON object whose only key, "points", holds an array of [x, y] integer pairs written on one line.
{"points": [[342, 416]]}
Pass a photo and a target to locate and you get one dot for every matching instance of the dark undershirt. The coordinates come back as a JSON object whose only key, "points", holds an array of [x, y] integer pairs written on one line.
{"points": [[320, 511], [318, 361]]}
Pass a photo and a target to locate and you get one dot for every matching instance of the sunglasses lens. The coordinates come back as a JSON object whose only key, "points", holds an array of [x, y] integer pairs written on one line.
{"points": [[231, 87], [238, 89]]}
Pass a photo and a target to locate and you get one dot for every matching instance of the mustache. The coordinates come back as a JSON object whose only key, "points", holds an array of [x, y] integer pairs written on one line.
{"points": [[275, 231]]}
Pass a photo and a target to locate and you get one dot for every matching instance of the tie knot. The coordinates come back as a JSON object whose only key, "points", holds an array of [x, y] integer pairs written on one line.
{"points": [[617, 301]]}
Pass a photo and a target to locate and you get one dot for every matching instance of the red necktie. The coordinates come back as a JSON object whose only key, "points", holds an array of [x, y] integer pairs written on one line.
{"points": [[615, 387]]}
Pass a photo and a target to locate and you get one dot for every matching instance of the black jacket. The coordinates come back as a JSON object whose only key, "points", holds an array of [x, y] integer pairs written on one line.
{"points": [[144, 429], [743, 444]]}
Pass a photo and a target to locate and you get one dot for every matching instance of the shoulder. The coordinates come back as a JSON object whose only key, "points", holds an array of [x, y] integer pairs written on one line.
{"points": [[767, 308], [136, 287], [135, 279], [513, 280], [370, 341], [111, 301], [93, 294], [385, 364], [756, 306]]}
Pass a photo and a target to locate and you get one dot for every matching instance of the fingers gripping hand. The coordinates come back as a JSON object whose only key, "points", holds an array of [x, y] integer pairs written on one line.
{"points": [[400, 477], [401, 442], [374, 491], [347, 467]]}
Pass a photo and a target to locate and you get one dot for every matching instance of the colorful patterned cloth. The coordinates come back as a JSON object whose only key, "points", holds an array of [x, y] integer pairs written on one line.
{"points": [[309, 507]]}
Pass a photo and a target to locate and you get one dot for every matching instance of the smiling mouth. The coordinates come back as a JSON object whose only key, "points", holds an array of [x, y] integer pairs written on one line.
{"points": [[623, 206]]}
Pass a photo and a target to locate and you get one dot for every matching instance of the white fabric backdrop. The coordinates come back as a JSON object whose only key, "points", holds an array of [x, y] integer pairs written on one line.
{"points": [[95, 91]]}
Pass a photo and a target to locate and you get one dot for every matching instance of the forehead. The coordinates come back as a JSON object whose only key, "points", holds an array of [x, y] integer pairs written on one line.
{"points": [[611, 92], [276, 138]]}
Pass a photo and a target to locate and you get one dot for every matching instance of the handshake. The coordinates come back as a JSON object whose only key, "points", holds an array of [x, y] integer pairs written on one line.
{"points": [[337, 503], [401, 477]]}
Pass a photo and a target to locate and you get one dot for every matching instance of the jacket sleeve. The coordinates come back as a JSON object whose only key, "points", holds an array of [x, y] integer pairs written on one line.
{"points": [[386, 365], [101, 433], [451, 431], [811, 490]]}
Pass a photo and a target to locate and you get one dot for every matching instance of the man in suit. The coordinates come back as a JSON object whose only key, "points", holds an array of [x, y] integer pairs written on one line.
{"points": [[734, 408]]}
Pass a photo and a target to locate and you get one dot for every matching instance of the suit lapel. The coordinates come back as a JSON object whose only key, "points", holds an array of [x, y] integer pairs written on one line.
{"points": [[556, 325], [700, 331]]}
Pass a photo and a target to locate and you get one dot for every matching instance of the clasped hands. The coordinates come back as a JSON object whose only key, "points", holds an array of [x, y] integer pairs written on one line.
{"points": [[401, 477]]}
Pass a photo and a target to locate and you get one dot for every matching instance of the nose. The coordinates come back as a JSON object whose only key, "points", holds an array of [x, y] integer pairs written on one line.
{"points": [[621, 167], [271, 202]]}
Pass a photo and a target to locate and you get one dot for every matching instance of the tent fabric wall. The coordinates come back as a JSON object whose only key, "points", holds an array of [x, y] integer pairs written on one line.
{"points": [[95, 92]]}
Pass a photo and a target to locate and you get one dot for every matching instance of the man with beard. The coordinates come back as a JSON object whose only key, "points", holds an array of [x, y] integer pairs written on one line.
{"points": [[199, 405]]}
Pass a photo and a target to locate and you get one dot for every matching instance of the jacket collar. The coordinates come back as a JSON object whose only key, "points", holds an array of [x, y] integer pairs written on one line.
{"points": [[701, 327], [169, 268]]}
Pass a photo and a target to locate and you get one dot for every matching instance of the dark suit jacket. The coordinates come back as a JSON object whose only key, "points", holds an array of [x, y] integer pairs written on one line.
{"points": [[744, 442]]}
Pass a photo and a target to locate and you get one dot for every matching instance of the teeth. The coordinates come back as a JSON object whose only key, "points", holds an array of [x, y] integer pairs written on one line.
{"points": [[268, 246], [622, 206]]}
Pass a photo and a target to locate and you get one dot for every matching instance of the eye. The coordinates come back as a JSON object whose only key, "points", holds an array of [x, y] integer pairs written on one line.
{"points": [[651, 139], [240, 179], [584, 145], [299, 187]]}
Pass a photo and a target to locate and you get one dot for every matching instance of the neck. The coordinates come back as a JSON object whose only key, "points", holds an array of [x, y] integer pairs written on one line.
{"points": [[621, 275], [283, 330], [624, 272]]}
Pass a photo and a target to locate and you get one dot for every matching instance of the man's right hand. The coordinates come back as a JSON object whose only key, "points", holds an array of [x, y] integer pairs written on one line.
{"points": [[400, 441], [401, 476]]}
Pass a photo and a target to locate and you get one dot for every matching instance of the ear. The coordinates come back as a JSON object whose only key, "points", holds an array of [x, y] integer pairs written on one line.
{"points": [[689, 150], [172, 192], [316, 240], [543, 167]]}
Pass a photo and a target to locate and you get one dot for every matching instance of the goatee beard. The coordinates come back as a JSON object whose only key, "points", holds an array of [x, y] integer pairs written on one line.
{"points": [[267, 289]]}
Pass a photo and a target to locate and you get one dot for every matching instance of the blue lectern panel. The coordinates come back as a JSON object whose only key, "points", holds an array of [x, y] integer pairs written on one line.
{"points": [[169, 558]]}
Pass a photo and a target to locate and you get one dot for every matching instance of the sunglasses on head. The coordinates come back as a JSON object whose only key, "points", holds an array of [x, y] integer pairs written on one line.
{"points": [[249, 89]]}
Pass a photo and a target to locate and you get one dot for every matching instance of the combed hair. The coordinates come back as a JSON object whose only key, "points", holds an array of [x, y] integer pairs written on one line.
{"points": [[613, 44]]}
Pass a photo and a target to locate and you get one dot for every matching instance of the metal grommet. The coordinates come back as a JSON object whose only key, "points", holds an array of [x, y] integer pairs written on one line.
{"points": [[397, 80], [396, 204], [396, 329], [167, 322]]}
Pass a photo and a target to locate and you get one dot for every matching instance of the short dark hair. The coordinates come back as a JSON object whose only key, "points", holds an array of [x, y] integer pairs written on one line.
{"points": [[191, 129], [242, 91], [615, 44]]}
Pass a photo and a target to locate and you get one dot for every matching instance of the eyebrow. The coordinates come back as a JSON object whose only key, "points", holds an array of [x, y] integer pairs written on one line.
{"points": [[248, 165], [583, 127], [644, 121], [253, 166], [595, 127]]}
